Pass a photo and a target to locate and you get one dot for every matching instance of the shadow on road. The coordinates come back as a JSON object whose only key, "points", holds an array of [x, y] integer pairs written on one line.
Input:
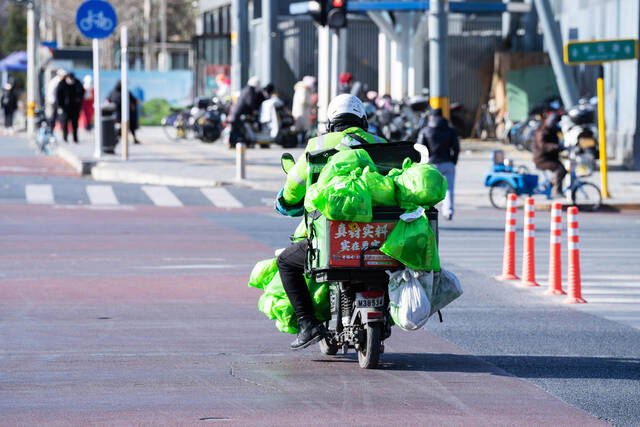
{"points": [[520, 366], [568, 366]]}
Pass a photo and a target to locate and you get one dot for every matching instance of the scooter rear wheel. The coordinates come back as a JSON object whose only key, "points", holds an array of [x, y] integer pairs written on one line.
{"points": [[369, 356]]}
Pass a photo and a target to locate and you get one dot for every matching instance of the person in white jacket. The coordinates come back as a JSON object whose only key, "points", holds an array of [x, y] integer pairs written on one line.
{"points": [[302, 105]]}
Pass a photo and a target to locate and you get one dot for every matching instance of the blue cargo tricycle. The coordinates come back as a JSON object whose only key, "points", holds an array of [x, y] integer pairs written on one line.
{"points": [[504, 179]]}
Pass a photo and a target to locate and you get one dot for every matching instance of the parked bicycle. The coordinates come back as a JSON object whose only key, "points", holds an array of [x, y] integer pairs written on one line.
{"points": [[504, 179], [46, 141]]}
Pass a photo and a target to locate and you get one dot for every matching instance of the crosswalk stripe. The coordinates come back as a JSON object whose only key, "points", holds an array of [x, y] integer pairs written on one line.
{"points": [[101, 195], [161, 196], [221, 197], [39, 194]]}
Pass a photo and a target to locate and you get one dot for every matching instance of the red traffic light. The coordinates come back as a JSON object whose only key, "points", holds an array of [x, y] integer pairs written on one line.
{"points": [[337, 3]]}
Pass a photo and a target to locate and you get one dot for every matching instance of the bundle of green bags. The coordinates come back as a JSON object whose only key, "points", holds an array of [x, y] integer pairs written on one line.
{"points": [[274, 302]]}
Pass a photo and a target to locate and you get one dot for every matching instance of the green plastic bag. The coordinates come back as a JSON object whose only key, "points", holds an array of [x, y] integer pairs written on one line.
{"points": [[382, 188], [419, 185], [343, 163], [413, 244], [345, 198], [263, 273], [275, 304]]}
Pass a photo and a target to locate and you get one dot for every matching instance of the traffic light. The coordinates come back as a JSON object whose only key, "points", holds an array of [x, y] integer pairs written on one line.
{"points": [[318, 11], [337, 14]]}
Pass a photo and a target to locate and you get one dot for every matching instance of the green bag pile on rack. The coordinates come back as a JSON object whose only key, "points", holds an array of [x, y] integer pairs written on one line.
{"points": [[345, 198], [413, 243], [343, 163], [274, 302], [418, 185], [381, 187]]}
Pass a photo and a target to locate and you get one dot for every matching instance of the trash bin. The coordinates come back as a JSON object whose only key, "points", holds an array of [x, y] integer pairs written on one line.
{"points": [[109, 139]]}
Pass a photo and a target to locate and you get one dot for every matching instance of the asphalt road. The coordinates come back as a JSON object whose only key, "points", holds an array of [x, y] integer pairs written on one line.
{"points": [[138, 314]]}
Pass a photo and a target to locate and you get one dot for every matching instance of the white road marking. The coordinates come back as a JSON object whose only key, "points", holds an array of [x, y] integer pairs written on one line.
{"points": [[39, 194], [221, 197], [161, 196], [101, 195]]}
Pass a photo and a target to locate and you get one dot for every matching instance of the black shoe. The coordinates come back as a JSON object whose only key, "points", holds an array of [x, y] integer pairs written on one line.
{"points": [[310, 333]]}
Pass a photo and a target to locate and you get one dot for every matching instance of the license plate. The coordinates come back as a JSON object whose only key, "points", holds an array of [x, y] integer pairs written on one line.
{"points": [[362, 302], [587, 143]]}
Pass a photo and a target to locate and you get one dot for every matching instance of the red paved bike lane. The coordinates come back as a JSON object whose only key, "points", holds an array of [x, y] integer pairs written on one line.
{"points": [[143, 316]]}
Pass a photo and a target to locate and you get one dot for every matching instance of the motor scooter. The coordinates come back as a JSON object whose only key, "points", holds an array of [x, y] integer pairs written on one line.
{"points": [[346, 255]]}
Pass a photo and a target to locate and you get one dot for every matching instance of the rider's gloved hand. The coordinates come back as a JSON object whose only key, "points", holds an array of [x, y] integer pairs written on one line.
{"points": [[286, 209]]}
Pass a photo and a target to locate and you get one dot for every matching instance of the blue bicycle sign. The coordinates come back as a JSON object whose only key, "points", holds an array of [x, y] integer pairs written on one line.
{"points": [[96, 19]]}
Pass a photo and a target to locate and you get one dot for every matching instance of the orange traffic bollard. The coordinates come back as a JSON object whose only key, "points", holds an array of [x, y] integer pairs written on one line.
{"points": [[574, 285], [555, 251], [509, 256], [528, 246]]}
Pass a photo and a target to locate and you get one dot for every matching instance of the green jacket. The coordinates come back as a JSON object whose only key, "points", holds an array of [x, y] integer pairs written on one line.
{"points": [[296, 185]]}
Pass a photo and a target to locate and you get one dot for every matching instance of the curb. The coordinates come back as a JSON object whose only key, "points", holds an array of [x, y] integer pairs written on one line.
{"points": [[82, 167], [101, 173]]}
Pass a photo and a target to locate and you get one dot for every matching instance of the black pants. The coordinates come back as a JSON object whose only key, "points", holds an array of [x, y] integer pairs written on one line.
{"points": [[559, 173], [291, 267], [73, 118], [8, 118]]}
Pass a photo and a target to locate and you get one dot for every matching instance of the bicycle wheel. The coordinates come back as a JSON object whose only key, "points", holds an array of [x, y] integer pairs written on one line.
{"points": [[170, 127], [586, 196], [498, 194]]}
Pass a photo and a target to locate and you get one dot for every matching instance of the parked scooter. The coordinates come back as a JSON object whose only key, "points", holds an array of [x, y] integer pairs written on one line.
{"points": [[580, 131]]}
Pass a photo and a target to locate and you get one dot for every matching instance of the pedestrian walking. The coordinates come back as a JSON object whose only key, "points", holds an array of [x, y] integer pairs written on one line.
{"points": [[87, 103], [441, 140], [115, 98], [302, 106], [69, 97], [50, 101], [9, 102]]}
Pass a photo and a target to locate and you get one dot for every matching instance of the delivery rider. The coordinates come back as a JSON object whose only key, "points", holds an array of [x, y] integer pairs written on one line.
{"points": [[347, 121]]}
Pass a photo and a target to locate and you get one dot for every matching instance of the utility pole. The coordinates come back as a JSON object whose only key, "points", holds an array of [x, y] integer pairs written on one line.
{"points": [[32, 66], [163, 59], [148, 44], [553, 42], [269, 19], [239, 44], [438, 57]]}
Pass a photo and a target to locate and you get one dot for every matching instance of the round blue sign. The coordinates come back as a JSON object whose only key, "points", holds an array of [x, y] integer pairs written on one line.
{"points": [[96, 19]]}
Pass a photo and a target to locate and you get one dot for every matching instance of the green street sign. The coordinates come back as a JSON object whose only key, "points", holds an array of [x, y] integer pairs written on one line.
{"points": [[598, 51]]}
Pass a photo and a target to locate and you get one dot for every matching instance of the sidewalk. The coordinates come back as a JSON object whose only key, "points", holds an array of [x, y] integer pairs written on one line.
{"points": [[184, 163], [160, 161]]}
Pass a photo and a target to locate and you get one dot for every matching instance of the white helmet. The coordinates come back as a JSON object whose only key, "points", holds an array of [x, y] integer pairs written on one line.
{"points": [[345, 107]]}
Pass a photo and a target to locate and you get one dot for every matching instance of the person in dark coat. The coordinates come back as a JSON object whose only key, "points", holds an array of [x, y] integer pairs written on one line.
{"points": [[441, 140], [9, 102], [69, 97], [115, 97], [546, 151], [248, 104]]}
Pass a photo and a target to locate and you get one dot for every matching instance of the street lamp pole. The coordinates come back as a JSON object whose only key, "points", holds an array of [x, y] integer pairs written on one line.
{"points": [[32, 66]]}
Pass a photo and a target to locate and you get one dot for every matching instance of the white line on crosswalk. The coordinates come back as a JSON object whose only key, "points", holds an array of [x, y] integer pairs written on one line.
{"points": [[39, 194], [101, 195], [161, 196], [221, 197]]}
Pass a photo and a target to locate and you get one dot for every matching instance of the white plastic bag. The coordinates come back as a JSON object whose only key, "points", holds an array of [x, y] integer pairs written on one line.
{"points": [[408, 303], [446, 288]]}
